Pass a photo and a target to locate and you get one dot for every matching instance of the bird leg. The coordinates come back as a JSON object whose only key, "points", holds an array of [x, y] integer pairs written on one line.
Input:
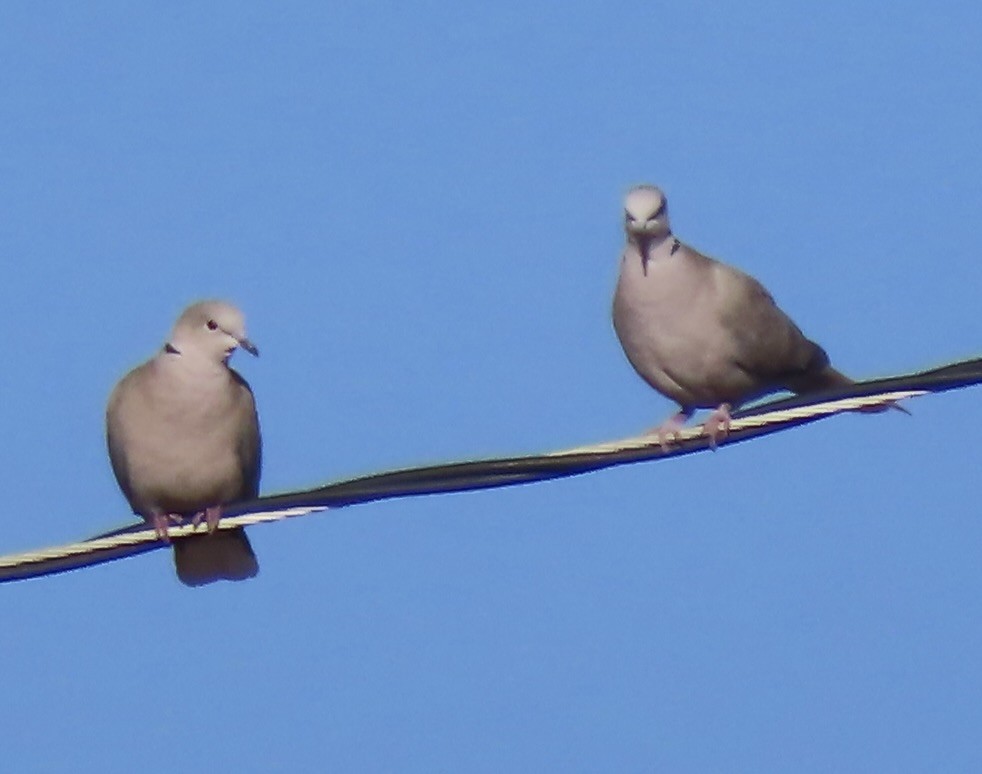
{"points": [[669, 430], [717, 425], [210, 516], [161, 522]]}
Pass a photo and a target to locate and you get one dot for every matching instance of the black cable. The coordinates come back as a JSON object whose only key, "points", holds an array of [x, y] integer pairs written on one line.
{"points": [[514, 471]]}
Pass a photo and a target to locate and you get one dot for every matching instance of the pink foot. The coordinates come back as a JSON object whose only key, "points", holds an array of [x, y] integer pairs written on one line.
{"points": [[211, 516], [717, 425], [669, 430], [162, 521]]}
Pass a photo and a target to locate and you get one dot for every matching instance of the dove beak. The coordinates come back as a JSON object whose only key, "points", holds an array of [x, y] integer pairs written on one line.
{"points": [[249, 347]]}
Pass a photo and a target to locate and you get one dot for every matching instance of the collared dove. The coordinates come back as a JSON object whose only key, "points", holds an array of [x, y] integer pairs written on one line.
{"points": [[183, 439], [702, 333]]}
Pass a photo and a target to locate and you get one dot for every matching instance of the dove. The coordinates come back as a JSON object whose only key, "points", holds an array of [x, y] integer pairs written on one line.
{"points": [[700, 332], [183, 438]]}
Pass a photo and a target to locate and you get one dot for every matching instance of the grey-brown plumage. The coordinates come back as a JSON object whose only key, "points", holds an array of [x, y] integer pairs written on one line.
{"points": [[183, 437], [700, 332]]}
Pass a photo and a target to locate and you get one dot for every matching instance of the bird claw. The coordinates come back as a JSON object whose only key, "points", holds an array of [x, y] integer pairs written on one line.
{"points": [[161, 523], [670, 430], [717, 425], [211, 516]]}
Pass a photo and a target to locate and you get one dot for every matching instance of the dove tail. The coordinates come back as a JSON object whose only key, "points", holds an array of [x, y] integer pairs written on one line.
{"points": [[828, 378], [223, 555], [824, 378]]}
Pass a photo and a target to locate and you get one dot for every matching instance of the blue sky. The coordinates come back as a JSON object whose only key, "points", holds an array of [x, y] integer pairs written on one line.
{"points": [[418, 208]]}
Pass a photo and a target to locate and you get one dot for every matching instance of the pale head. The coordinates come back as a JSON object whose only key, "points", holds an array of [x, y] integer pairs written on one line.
{"points": [[646, 215], [210, 329]]}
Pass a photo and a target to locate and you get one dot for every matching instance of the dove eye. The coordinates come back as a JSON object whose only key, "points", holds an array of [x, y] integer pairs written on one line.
{"points": [[629, 217], [212, 325]]}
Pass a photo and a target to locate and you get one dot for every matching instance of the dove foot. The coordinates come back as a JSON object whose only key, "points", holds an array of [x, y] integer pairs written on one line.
{"points": [[717, 425], [161, 523], [211, 516], [669, 430]]}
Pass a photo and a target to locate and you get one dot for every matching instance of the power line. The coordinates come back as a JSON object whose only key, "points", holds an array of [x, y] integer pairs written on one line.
{"points": [[764, 419]]}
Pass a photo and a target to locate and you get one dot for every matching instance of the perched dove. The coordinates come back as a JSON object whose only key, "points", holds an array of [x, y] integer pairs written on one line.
{"points": [[700, 332], [183, 439]]}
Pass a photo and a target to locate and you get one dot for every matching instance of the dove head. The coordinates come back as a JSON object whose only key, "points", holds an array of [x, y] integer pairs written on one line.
{"points": [[211, 330], [646, 215]]}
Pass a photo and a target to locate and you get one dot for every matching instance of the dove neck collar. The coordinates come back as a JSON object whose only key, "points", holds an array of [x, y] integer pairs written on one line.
{"points": [[189, 367], [647, 242], [194, 362], [647, 246]]}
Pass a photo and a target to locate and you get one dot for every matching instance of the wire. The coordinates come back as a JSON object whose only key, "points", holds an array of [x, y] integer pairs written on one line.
{"points": [[753, 422]]}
